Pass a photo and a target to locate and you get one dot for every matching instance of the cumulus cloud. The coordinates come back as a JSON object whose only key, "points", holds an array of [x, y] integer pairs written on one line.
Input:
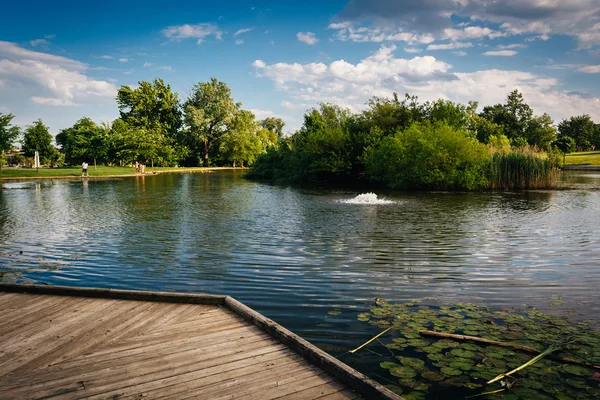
{"points": [[382, 74], [502, 53], [123, 60], [48, 79], [590, 69], [239, 41], [539, 18], [167, 68], [307, 37], [412, 50], [198, 32]]}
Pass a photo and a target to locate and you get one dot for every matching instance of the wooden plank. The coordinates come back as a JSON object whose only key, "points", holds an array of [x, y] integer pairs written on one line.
{"points": [[156, 377], [185, 328], [92, 366], [118, 376], [314, 392], [46, 306], [347, 394], [227, 380]]}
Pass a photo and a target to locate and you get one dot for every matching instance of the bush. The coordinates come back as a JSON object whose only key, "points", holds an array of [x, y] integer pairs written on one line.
{"points": [[522, 170], [429, 156]]}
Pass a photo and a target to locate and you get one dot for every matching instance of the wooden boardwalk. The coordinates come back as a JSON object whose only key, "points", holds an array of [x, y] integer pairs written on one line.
{"points": [[75, 347]]}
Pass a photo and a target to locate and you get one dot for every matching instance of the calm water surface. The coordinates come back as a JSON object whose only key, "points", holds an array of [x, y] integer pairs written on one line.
{"points": [[297, 254]]}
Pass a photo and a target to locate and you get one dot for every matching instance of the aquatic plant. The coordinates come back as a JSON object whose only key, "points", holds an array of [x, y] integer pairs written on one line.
{"points": [[426, 367], [522, 170]]}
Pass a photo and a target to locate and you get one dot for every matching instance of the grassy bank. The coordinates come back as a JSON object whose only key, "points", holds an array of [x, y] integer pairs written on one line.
{"points": [[100, 171], [583, 158]]}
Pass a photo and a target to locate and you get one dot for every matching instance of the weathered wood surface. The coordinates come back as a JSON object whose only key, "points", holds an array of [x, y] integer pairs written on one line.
{"points": [[73, 347]]}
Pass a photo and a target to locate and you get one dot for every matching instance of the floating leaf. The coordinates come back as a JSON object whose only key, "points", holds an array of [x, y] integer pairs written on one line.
{"points": [[388, 365], [412, 362], [334, 312], [462, 353], [577, 383], [432, 376], [577, 370], [395, 389], [451, 371], [463, 365], [403, 372]]}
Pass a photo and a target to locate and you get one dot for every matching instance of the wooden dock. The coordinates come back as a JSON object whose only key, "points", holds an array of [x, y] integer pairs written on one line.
{"points": [[70, 343]]}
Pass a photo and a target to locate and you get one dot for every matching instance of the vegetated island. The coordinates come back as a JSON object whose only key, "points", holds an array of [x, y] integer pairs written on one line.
{"points": [[440, 145]]}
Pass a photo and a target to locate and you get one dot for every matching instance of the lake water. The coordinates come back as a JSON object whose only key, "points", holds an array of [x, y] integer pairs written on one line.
{"points": [[311, 259]]}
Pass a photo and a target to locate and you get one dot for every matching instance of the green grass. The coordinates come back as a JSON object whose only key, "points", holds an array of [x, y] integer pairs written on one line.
{"points": [[584, 158], [101, 170]]}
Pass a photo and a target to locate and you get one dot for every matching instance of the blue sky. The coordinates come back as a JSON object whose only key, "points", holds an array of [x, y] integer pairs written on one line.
{"points": [[63, 60]]}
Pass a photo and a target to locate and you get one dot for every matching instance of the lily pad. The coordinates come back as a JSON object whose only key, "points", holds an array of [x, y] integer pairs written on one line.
{"points": [[394, 388], [449, 371], [577, 383], [432, 376], [462, 353], [388, 365], [577, 370], [435, 357], [463, 365], [334, 312], [411, 362], [403, 372]]}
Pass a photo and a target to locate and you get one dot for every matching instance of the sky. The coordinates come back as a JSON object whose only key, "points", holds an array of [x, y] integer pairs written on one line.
{"points": [[63, 60]]}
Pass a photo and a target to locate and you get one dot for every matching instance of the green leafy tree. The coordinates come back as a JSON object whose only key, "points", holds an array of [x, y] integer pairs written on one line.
{"points": [[8, 134], [84, 141], [514, 116], [541, 132], [37, 138], [240, 142], [565, 144], [273, 124], [209, 111], [454, 114], [581, 128]]}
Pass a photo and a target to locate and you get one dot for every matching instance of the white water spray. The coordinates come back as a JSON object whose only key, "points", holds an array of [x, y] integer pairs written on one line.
{"points": [[367, 198]]}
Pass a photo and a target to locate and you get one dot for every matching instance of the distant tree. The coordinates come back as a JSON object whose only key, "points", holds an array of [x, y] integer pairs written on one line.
{"points": [[541, 132], [514, 116], [274, 125], [8, 134], [37, 138], [152, 106], [84, 141], [581, 128], [565, 144], [240, 142], [454, 114], [209, 111]]}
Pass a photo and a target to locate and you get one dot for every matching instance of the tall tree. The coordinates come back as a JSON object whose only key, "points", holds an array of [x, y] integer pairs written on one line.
{"points": [[152, 106], [541, 131], [8, 134], [208, 112], [274, 125], [581, 128], [514, 116], [241, 143], [37, 138], [84, 141]]}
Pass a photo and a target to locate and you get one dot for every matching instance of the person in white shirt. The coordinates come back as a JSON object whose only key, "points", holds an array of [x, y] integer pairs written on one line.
{"points": [[84, 169]]}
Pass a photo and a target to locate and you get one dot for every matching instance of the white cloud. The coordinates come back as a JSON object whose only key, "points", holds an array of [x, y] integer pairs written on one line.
{"points": [[308, 37], [49, 37], [347, 31], [105, 57], [590, 69], [472, 32], [460, 53], [167, 68], [239, 41], [48, 79], [39, 42], [502, 53], [147, 64], [381, 74], [412, 50], [512, 46], [198, 32], [123, 60], [241, 31], [262, 114], [449, 46]]}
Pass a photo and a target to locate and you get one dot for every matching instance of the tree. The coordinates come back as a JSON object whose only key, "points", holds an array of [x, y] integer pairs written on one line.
{"points": [[240, 142], [454, 114], [274, 125], [514, 116], [581, 129], [8, 134], [84, 141], [541, 132], [208, 112], [152, 106], [566, 145], [37, 138]]}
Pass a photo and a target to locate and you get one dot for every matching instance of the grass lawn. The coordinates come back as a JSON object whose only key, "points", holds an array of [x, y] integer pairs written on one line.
{"points": [[100, 170], [586, 157]]}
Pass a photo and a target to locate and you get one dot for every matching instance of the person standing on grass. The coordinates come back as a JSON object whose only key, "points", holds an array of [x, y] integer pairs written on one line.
{"points": [[84, 169]]}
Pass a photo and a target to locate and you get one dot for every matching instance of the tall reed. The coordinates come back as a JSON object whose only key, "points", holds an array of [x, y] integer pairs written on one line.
{"points": [[522, 170]]}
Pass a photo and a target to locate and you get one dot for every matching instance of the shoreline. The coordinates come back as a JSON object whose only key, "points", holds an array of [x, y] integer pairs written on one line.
{"points": [[151, 173]]}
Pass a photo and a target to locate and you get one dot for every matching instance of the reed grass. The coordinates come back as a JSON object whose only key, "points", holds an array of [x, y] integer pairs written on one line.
{"points": [[522, 170]]}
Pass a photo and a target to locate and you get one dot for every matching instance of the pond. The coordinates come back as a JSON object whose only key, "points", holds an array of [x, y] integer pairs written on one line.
{"points": [[311, 259]]}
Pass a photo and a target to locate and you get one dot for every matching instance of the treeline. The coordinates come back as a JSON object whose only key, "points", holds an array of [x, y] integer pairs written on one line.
{"points": [[432, 145], [209, 129]]}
